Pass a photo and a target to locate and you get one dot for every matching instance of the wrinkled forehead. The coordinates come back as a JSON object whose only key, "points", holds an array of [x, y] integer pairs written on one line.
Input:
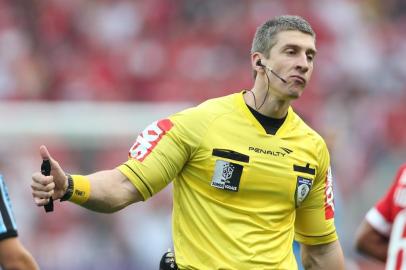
{"points": [[295, 38]]}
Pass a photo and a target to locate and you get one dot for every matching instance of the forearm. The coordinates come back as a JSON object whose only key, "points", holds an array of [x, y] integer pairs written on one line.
{"points": [[378, 249], [110, 191], [23, 262], [326, 256], [104, 191], [13, 256], [371, 242], [379, 252]]}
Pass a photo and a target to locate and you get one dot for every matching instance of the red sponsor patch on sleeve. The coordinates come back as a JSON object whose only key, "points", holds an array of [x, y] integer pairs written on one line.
{"points": [[329, 196], [149, 139]]}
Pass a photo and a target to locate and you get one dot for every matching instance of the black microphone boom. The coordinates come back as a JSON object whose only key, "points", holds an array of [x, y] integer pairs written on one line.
{"points": [[259, 63], [276, 75]]}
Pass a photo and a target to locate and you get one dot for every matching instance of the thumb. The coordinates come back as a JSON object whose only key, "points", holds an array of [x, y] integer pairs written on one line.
{"points": [[44, 153]]}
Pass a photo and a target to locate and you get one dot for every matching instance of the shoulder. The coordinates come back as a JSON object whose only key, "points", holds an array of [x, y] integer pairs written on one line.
{"points": [[401, 174], [311, 135], [399, 180], [400, 177], [190, 126], [205, 113]]}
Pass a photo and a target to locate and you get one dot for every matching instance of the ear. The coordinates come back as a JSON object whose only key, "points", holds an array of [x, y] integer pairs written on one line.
{"points": [[256, 61]]}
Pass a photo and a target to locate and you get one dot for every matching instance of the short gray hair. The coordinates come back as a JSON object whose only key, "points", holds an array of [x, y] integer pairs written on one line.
{"points": [[265, 36]]}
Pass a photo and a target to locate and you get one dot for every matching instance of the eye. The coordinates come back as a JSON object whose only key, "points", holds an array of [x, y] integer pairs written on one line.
{"points": [[310, 57], [291, 52]]}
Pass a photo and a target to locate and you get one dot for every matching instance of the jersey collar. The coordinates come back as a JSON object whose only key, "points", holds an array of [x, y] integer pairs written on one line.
{"points": [[243, 108]]}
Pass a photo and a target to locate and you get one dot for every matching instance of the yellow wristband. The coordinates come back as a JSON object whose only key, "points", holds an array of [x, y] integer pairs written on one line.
{"points": [[81, 189]]}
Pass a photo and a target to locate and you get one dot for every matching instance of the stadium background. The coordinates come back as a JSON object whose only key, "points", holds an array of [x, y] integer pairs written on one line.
{"points": [[84, 77]]}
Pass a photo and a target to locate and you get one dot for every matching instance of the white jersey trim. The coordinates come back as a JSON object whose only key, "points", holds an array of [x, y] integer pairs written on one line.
{"points": [[375, 218]]}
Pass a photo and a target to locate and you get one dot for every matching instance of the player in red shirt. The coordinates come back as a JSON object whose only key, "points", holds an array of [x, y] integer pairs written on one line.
{"points": [[382, 234]]}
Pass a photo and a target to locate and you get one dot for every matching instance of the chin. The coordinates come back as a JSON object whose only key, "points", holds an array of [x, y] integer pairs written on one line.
{"points": [[294, 95]]}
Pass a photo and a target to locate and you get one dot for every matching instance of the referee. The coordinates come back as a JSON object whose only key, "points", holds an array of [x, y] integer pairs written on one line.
{"points": [[249, 175], [13, 255]]}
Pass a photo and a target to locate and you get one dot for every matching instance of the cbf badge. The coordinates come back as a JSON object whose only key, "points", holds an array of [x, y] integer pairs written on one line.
{"points": [[303, 187], [227, 175]]}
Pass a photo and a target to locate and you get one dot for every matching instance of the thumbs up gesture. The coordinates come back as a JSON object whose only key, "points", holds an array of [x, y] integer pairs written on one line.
{"points": [[44, 187]]}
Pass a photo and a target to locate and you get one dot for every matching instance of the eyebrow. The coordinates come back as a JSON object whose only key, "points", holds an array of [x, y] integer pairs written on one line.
{"points": [[296, 47]]}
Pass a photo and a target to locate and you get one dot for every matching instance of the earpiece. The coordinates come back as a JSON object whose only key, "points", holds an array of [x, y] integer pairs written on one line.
{"points": [[259, 63]]}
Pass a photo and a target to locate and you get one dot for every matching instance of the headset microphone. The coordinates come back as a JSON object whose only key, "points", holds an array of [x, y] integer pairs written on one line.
{"points": [[259, 63]]}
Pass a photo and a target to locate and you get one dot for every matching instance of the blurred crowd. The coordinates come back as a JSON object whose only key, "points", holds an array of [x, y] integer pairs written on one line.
{"points": [[191, 50]]}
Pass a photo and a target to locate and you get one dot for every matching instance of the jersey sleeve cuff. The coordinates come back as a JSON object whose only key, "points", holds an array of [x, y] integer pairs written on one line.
{"points": [[316, 240], [139, 184], [378, 221]]}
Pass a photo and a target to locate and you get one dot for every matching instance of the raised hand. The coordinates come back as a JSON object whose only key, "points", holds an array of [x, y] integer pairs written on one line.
{"points": [[44, 187]]}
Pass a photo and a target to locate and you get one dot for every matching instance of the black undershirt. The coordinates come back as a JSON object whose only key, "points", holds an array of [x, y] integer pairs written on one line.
{"points": [[271, 125]]}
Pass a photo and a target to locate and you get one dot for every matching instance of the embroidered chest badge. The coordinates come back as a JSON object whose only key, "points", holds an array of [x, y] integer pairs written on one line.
{"points": [[227, 175], [303, 187]]}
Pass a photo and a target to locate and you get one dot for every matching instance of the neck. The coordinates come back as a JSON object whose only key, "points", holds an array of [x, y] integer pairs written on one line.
{"points": [[275, 108], [266, 101], [266, 104]]}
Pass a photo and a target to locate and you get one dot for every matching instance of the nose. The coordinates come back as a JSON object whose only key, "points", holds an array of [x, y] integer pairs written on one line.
{"points": [[302, 64]]}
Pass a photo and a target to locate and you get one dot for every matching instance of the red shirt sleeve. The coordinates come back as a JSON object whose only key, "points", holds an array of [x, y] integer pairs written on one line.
{"points": [[395, 199]]}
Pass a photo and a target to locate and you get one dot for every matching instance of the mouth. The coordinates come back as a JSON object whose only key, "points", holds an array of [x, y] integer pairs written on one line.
{"points": [[298, 79]]}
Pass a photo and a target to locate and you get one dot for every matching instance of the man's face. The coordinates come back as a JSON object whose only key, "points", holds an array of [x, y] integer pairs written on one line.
{"points": [[291, 58]]}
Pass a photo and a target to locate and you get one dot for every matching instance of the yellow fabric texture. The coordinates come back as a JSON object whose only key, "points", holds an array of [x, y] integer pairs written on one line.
{"points": [[235, 187]]}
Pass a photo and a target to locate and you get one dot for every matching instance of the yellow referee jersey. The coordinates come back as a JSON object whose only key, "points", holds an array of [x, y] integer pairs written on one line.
{"points": [[240, 195]]}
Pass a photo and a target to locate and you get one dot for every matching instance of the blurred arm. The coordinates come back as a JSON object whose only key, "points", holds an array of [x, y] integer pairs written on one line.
{"points": [[110, 191], [13, 256], [326, 256], [370, 242]]}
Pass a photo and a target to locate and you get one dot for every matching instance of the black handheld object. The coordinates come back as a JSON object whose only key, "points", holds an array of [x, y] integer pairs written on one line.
{"points": [[168, 261], [46, 170]]}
